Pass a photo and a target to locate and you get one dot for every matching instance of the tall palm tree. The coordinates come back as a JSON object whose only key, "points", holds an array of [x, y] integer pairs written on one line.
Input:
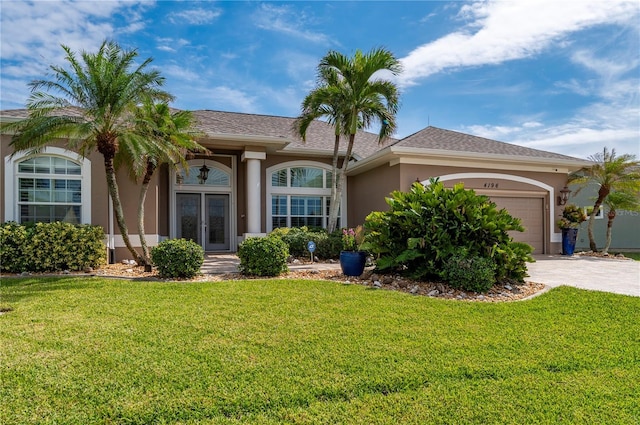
{"points": [[623, 200], [351, 95], [611, 173], [101, 89], [162, 137]]}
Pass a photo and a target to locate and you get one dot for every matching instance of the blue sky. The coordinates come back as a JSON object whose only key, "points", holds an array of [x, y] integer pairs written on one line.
{"points": [[557, 75]]}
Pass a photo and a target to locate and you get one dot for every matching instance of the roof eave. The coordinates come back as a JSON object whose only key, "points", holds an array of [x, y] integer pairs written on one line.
{"points": [[271, 142], [394, 155]]}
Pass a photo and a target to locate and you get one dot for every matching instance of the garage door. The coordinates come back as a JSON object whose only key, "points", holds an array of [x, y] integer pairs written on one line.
{"points": [[531, 213]]}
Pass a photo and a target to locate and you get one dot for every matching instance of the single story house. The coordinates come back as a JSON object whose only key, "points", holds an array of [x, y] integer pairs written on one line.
{"points": [[260, 176]]}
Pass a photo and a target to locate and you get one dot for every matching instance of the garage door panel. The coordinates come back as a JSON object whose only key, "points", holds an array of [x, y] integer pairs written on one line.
{"points": [[530, 211]]}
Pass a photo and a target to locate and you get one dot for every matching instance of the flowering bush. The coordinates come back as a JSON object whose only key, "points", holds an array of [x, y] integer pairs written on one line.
{"points": [[572, 217], [352, 238]]}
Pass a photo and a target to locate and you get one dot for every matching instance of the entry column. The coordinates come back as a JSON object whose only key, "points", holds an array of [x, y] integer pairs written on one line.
{"points": [[254, 208]]}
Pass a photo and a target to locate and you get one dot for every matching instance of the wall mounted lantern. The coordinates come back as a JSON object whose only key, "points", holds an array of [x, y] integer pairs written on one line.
{"points": [[564, 195], [204, 173]]}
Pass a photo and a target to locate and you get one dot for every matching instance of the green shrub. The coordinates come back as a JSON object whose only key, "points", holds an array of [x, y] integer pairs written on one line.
{"points": [[13, 241], [469, 273], [330, 245], [177, 258], [49, 247], [429, 224], [297, 239], [263, 256]]}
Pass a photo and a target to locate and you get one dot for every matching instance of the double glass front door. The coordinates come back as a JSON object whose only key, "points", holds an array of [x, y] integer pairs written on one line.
{"points": [[204, 219]]}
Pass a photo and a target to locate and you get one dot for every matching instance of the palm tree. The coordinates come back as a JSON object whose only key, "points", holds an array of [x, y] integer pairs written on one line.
{"points": [[351, 96], [163, 137], [611, 173], [626, 200], [90, 104]]}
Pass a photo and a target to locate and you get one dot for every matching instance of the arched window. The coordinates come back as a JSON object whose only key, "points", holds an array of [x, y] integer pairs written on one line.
{"points": [[216, 176], [47, 188], [298, 195]]}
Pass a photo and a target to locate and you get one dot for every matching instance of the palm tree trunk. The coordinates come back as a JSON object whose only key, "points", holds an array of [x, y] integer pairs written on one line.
{"points": [[603, 192], [610, 217], [112, 185], [343, 171], [142, 199], [143, 239], [334, 206]]}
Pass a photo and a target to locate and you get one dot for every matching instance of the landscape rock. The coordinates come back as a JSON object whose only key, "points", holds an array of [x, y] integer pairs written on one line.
{"points": [[433, 293]]}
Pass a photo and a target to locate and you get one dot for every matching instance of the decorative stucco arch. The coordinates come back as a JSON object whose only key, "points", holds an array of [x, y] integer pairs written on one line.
{"points": [[553, 237]]}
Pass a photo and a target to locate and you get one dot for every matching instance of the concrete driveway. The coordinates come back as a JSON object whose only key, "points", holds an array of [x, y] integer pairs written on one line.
{"points": [[599, 274]]}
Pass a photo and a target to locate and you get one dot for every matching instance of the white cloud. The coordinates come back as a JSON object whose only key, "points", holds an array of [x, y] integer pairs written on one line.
{"points": [[231, 99], [288, 21], [171, 45], [32, 32], [500, 31], [587, 132], [198, 16]]}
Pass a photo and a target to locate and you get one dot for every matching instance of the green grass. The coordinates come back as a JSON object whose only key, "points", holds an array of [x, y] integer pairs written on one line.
{"points": [[634, 255], [98, 351]]}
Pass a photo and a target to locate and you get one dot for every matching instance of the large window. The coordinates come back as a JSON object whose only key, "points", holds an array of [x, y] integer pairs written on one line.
{"points": [[299, 195], [47, 188]]}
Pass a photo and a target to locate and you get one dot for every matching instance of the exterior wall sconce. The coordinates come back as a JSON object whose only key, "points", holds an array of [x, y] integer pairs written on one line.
{"points": [[564, 195], [204, 173]]}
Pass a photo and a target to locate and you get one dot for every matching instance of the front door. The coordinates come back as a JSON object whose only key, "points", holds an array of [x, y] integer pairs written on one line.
{"points": [[204, 219]]}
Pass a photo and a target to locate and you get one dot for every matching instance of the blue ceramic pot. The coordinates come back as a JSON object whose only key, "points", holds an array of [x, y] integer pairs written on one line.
{"points": [[569, 237], [353, 262]]}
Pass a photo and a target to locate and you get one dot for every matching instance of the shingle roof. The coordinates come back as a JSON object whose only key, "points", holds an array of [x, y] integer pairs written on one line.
{"points": [[440, 139], [320, 135]]}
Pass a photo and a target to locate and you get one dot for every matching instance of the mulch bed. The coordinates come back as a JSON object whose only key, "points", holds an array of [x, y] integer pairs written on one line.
{"points": [[498, 293]]}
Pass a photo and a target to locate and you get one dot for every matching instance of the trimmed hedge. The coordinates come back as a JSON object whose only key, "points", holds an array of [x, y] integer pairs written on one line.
{"points": [[263, 256], [327, 245], [177, 258], [50, 247]]}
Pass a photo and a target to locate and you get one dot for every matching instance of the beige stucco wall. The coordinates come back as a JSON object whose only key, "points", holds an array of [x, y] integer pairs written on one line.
{"points": [[368, 190]]}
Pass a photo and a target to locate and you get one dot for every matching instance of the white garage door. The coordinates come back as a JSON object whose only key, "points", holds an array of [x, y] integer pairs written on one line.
{"points": [[531, 213]]}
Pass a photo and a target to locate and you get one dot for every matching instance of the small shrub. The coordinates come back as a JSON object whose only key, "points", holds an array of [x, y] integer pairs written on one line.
{"points": [[263, 256], [469, 273], [330, 245], [177, 258]]}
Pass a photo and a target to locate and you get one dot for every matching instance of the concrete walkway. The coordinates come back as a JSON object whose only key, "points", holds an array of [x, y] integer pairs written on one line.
{"points": [[599, 274]]}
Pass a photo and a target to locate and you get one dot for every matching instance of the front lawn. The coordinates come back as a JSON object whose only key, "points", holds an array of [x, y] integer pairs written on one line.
{"points": [[99, 351]]}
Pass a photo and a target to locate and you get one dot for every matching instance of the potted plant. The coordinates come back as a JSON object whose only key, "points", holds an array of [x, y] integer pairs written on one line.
{"points": [[572, 217], [352, 259]]}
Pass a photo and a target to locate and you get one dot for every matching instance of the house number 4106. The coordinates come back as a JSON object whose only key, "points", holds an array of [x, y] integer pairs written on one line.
{"points": [[491, 185]]}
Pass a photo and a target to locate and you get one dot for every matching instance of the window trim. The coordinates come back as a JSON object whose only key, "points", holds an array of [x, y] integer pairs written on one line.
{"points": [[298, 191], [11, 207]]}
